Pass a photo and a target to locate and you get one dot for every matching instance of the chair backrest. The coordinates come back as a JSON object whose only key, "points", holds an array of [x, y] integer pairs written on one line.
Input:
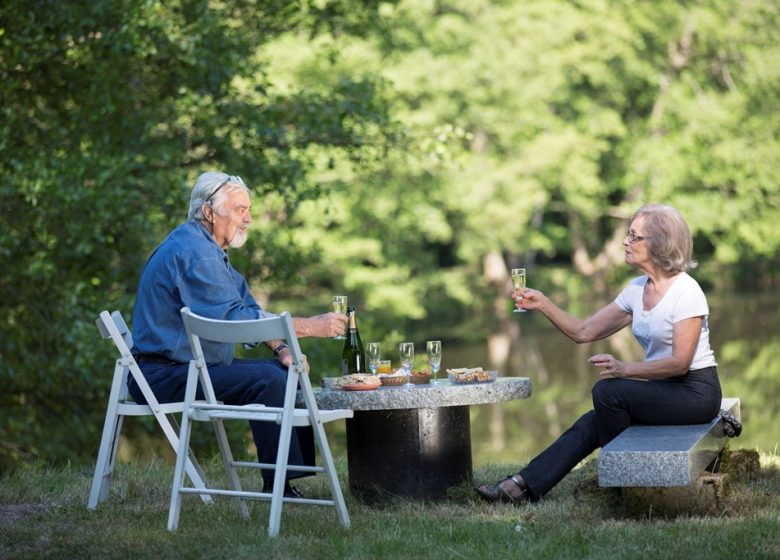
{"points": [[120, 330], [114, 327], [238, 332], [241, 332]]}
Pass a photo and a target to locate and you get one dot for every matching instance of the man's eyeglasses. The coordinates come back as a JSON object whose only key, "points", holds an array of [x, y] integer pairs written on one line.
{"points": [[230, 179], [633, 238]]}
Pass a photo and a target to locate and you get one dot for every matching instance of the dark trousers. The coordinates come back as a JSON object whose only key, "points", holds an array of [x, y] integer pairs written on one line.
{"points": [[693, 398], [241, 382]]}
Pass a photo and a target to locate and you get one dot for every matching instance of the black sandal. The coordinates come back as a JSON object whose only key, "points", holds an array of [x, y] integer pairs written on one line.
{"points": [[495, 493]]}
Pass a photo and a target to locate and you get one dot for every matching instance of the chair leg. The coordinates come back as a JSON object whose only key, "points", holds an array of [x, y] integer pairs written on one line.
{"points": [[321, 440], [283, 454], [109, 442], [230, 469], [330, 471], [104, 466], [178, 473], [171, 428]]}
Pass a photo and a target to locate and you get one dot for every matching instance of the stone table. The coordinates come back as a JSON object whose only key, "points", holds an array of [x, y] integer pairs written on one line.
{"points": [[414, 442]]}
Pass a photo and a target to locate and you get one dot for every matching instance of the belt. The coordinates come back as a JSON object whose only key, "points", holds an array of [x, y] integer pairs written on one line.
{"points": [[153, 359]]}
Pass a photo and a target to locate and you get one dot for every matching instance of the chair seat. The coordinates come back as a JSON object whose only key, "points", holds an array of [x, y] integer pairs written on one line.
{"points": [[131, 408], [300, 416]]}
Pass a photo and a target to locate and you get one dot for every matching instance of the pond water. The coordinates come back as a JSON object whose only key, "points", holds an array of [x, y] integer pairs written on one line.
{"points": [[744, 338]]}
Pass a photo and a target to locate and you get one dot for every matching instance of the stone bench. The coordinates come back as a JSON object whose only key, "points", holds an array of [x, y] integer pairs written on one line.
{"points": [[663, 456]]}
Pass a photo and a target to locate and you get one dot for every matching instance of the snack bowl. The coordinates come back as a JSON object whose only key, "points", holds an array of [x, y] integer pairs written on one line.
{"points": [[393, 379], [420, 377]]}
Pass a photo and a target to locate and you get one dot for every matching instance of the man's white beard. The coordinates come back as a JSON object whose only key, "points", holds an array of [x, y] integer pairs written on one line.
{"points": [[238, 239]]}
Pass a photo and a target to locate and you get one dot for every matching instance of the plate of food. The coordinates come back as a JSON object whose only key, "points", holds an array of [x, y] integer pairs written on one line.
{"points": [[357, 382], [464, 376]]}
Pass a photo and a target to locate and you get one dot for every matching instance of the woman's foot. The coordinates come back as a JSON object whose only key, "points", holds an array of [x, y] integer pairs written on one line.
{"points": [[512, 489]]}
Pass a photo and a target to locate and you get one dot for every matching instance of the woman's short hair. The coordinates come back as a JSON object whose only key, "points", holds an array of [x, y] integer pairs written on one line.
{"points": [[212, 187], [668, 238]]}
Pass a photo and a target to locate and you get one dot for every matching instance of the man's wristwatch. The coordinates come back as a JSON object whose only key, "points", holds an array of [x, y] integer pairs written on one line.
{"points": [[279, 349]]}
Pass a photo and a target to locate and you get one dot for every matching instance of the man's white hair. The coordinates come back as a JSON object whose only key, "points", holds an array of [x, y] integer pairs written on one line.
{"points": [[212, 187]]}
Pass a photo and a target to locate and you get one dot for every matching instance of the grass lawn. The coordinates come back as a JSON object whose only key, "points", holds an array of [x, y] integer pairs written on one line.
{"points": [[43, 514]]}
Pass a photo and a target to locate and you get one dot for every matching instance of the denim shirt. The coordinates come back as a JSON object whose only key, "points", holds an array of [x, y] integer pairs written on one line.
{"points": [[188, 269]]}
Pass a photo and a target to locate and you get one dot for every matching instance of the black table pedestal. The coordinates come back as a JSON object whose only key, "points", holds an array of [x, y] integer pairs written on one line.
{"points": [[415, 453]]}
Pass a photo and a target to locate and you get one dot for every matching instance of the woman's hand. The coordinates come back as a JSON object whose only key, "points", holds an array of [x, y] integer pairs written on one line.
{"points": [[527, 298], [611, 366]]}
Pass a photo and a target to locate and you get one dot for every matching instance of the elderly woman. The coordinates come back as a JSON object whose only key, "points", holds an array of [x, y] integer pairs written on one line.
{"points": [[676, 383]]}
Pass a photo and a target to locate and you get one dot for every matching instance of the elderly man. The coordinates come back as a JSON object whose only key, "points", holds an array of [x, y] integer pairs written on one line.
{"points": [[191, 268]]}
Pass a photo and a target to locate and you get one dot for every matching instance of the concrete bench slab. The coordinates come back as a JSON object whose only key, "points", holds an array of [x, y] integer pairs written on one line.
{"points": [[663, 456]]}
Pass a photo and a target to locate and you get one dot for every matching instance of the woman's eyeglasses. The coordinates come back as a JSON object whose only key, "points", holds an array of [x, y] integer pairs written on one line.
{"points": [[633, 238]]}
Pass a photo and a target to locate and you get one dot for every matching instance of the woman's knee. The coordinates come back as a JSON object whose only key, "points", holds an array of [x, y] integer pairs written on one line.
{"points": [[604, 392]]}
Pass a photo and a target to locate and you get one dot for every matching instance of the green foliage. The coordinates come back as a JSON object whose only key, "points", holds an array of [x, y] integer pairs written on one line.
{"points": [[110, 109], [568, 116]]}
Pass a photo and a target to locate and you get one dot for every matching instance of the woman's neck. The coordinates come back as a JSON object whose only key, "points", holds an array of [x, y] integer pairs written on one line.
{"points": [[660, 280]]}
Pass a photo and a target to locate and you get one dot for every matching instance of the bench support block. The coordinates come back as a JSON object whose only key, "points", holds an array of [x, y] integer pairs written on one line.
{"points": [[704, 496]]}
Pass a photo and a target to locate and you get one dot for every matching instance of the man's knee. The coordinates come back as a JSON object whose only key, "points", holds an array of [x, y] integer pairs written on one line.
{"points": [[269, 387]]}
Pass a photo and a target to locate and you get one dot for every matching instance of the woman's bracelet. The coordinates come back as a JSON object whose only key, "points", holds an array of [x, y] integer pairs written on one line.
{"points": [[279, 349]]}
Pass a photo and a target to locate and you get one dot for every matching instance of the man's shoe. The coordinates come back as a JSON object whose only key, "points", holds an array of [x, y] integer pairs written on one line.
{"points": [[511, 489], [289, 491], [293, 492]]}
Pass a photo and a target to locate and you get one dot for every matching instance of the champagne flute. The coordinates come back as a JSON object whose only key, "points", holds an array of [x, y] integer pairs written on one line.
{"points": [[373, 354], [340, 306], [518, 281], [434, 358], [406, 350]]}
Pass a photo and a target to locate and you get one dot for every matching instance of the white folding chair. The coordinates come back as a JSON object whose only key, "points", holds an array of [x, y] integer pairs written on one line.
{"points": [[114, 327], [254, 331]]}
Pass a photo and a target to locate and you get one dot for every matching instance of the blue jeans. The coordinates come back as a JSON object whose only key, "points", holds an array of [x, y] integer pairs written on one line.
{"points": [[241, 382], [693, 398]]}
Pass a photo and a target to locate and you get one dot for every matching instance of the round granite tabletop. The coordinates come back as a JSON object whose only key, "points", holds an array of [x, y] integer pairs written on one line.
{"points": [[425, 396]]}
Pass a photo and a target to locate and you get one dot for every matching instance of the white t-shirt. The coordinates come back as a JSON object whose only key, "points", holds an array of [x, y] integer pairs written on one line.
{"points": [[653, 329]]}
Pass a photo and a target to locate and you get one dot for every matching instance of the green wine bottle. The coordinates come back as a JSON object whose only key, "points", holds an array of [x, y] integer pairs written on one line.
{"points": [[353, 358]]}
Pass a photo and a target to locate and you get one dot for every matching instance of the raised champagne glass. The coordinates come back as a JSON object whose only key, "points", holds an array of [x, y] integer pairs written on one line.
{"points": [[518, 282], [340, 306], [373, 355], [434, 358]]}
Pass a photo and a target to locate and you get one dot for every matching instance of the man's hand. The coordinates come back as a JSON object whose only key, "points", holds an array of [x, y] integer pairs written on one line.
{"points": [[326, 325], [285, 358]]}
